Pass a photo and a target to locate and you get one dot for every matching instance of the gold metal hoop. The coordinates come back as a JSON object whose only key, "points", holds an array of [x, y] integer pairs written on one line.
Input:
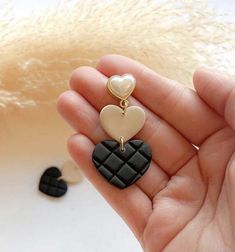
{"points": [[124, 104], [122, 148]]}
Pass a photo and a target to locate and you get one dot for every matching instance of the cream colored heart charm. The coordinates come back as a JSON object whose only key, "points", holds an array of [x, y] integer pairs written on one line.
{"points": [[71, 173], [117, 124], [121, 86]]}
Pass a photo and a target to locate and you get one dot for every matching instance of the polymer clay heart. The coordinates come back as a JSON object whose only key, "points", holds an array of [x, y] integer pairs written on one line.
{"points": [[121, 86], [122, 168], [50, 183], [116, 124]]}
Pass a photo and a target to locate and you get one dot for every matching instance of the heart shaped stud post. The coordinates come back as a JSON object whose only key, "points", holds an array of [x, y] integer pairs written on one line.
{"points": [[118, 125], [121, 86]]}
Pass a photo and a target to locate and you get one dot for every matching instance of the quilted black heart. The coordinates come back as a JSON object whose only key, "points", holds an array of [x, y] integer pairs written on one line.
{"points": [[50, 183], [122, 168]]}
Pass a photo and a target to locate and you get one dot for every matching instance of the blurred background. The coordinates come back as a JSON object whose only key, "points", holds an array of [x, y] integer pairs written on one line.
{"points": [[41, 43]]}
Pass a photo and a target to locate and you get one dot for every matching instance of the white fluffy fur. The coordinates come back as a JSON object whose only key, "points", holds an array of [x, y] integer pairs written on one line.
{"points": [[172, 37], [37, 55]]}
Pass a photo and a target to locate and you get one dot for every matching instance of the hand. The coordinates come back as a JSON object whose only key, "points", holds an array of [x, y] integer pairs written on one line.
{"points": [[186, 200]]}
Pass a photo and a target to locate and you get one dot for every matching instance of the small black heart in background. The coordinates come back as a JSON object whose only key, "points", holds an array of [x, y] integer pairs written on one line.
{"points": [[50, 184], [122, 168]]}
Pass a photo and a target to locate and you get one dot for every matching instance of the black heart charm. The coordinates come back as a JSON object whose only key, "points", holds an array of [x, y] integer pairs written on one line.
{"points": [[50, 184], [122, 168]]}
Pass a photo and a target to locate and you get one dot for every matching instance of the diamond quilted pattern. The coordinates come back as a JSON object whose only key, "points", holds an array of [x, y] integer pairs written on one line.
{"points": [[50, 183], [138, 161], [122, 168], [113, 162], [127, 174]]}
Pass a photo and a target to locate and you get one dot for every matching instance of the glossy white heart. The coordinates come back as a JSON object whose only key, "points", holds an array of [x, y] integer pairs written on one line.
{"points": [[121, 86]]}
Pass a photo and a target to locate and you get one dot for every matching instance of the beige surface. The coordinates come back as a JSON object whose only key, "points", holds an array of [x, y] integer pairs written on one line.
{"points": [[117, 124], [33, 132]]}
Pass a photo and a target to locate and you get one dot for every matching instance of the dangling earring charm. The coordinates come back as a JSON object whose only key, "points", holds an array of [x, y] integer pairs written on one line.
{"points": [[122, 161]]}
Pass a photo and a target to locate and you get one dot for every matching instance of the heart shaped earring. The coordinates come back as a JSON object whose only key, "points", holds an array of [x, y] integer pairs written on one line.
{"points": [[53, 181], [122, 161]]}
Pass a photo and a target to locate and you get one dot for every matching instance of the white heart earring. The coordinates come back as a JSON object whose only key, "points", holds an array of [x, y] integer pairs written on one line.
{"points": [[122, 161]]}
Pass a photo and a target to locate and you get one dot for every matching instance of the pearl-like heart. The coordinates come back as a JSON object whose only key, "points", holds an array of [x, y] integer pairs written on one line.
{"points": [[121, 86], [117, 124]]}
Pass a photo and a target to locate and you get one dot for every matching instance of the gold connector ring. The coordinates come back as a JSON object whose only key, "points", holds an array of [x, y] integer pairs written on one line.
{"points": [[122, 148]]}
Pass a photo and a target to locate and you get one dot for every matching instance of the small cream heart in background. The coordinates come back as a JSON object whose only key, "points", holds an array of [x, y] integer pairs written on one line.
{"points": [[117, 124], [71, 173], [121, 86]]}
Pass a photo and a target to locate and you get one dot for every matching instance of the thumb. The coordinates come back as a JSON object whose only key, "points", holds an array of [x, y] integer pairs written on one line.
{"points": [[218, 91]]}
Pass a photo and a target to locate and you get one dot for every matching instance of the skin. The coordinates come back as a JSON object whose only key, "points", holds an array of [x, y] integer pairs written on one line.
{"points": [[185, 201]]}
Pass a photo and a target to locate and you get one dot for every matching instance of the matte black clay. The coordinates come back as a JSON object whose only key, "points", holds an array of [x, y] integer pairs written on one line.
{"points": [[50, 184], [122, 168]]}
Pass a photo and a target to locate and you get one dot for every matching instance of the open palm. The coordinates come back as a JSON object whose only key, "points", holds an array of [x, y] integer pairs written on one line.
{"points": [[185, 202]]}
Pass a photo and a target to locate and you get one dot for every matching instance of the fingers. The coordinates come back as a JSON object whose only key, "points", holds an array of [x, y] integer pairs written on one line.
{"points": [[170, 149], [230, 183], [153, 181], [218, 91], [214, 158], [131, 204], [179, 106], [175, 207], [84, 118], [81, 115]]}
